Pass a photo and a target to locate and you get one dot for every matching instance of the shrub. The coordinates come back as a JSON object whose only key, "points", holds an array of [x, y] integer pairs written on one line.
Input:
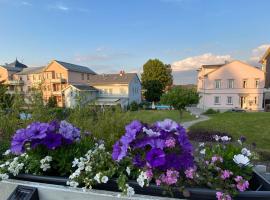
{"points": [[211, 111], [204, 135], [133, 106]]}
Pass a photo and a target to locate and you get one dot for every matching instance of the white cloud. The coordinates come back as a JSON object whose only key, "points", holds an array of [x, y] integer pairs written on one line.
{"points": [[193, 63], [60, 7], [257, 53]]}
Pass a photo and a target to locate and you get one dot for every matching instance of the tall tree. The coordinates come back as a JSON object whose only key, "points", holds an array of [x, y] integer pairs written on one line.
{"points": [[153, 90], [180, 97], [155, 70]]}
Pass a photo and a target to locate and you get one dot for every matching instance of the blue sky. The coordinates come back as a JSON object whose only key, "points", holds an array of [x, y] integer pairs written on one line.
{"points": [[111, 35]]}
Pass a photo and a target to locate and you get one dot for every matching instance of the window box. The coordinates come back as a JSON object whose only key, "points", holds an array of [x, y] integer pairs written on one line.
{"points": [[260, 188]]}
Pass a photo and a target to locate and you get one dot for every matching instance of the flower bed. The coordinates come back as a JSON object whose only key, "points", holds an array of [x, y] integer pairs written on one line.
{"points": [[155, 159]]}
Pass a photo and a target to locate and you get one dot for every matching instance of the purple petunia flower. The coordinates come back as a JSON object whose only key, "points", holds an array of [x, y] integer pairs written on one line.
{"points": [[52, 140], [138, 161], [156, 157], [69, 132], [167, 125], [18, 141], [134, 126], [37, 130]]}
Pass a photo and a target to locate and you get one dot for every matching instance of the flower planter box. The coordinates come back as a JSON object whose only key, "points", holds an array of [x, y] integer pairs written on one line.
{"points": [[259, 190]]}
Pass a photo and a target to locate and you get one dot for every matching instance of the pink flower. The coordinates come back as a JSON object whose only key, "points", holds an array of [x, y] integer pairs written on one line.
{"points": [[242, 184], [170, 178], [149, 173], [158, 182], [238, 178], [226, 174], [223, 196], [217, 158], [190, 173], [170, 142]]}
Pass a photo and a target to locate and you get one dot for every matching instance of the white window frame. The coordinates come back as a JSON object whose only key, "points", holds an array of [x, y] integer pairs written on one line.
{"points": [[231, 100], [219, 100], [218, 83], [231, 83]]}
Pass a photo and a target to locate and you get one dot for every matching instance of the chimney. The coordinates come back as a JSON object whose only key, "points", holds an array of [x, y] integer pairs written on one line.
{"points": [[122, 72]]}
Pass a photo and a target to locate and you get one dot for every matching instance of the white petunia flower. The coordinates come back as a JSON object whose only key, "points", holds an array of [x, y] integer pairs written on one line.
{"points": [[3, 176], [216, 137], [246, 152], [225, 138], [150, 132], [240, 142], [130, 191], [104, 179], [241, 160], [201, 144], [128, 170], [7, 152], [97, 177], [75, 162], [202, 151]]}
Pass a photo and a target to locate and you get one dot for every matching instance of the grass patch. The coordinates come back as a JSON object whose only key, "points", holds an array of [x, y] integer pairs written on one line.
{"points": [[254, 126], [151, 116]]}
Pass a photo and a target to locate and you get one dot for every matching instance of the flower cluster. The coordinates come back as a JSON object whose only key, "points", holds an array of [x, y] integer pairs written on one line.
{"points": [[45, 163], [89, 171], [160, 150], [222, 165], [51, 135]]}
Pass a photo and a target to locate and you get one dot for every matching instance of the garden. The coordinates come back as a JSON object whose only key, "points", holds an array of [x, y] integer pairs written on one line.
{"points": [[141, 152]]}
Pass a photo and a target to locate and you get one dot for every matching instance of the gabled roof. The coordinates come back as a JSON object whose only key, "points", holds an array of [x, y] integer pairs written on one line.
{"points": [[104, 79], [82, 87], [235, 61], [31, 70], [13, 69], [267, 53], [75, 68], [16, 64]]}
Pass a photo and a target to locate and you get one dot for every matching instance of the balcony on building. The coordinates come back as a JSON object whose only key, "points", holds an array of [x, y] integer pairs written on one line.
{"points": [[15, 82], [58, 80]]}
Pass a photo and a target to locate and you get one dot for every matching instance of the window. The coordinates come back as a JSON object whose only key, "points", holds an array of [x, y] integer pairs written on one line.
{"points": [[110, 91], [255, 100], [257, 83], [88, 76], [244, 83], [217, 100], [229, 100], [230, 83], [82, 76], [218, 84], [28, 78]]}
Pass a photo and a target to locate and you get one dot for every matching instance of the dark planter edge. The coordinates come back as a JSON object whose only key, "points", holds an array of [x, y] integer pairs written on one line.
{"points": [[153, 190]]}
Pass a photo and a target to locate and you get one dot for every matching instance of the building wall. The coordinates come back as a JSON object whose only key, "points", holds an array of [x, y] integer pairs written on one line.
{"points": [[237, 71], [3, 74], [135, 90], [73, 96]]}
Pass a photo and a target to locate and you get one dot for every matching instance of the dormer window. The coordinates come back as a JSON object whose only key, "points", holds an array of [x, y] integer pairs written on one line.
{"points": [[257, 83], [244, 83], [218, 84]]}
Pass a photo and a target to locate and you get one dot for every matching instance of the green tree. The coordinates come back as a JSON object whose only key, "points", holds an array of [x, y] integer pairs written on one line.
{"points": [[6, 100], [154, 90], [155, 70], [52, 103], [180, 97]]}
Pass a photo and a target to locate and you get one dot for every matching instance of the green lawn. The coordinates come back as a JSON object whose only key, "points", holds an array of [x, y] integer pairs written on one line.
{"points": [[151, 116], [254, 126]]}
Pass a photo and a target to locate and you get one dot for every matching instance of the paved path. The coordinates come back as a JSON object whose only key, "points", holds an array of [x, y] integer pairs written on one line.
{"points": [[198, 113]]}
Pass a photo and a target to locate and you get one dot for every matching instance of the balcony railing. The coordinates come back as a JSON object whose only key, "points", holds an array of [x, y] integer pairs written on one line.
{"points": [[58, 93], [15, 82], [113, 95], [58, 80]]}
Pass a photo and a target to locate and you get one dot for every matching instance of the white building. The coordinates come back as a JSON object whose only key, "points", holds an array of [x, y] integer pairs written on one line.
{"points": [[106, 89], [231, 85]]}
